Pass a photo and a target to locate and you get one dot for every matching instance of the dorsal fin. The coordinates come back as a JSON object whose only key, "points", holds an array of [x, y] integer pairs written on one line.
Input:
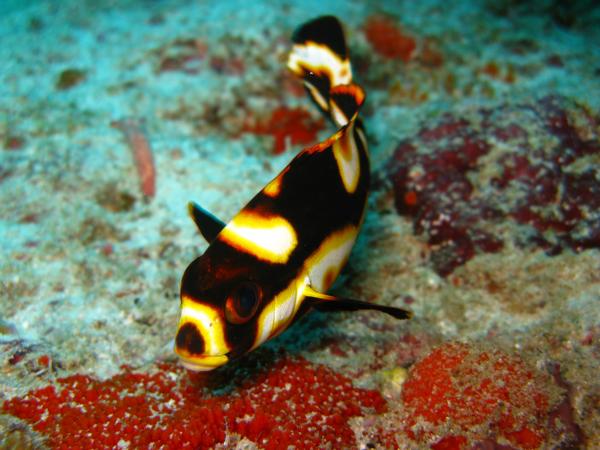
{"points": [[208, 224]]}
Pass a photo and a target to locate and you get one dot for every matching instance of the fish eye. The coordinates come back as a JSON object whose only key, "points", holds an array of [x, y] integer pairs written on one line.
{"points": [[242, 303]]}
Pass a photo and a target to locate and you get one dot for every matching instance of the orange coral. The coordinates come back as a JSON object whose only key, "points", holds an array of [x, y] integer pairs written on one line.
{"points": [[387, 38], [164, 409], [142, 154], [288, 124], [483, 395]]}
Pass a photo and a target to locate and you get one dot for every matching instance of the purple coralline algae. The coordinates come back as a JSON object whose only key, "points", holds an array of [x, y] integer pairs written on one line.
{"points": [[466, 180]]}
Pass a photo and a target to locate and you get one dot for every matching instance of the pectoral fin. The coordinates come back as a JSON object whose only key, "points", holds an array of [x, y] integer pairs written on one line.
{"points": [[208, 224], [330, 303]]}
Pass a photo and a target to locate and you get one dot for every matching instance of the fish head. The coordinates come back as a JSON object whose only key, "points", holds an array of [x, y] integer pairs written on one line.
{"points": [[222, 300]]}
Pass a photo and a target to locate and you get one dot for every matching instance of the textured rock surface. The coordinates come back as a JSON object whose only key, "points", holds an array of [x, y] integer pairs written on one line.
{"points": [[483, 122], [526, 173]]}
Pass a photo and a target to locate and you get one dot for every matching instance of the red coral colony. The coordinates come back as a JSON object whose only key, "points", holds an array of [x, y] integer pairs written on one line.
{"points": [[388, 39], [456, 396], [288, 126], [290, 403], [485, 395]]}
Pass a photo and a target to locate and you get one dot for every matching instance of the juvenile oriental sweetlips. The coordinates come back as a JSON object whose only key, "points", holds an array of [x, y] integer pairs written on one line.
{"points": [[277, 257]]}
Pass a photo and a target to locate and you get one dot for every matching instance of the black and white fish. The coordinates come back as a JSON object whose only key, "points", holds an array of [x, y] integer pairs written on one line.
{"points": [[278, 256]]}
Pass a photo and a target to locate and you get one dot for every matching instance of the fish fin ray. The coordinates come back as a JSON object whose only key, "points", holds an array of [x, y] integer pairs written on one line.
{"points": [[330, 303]]}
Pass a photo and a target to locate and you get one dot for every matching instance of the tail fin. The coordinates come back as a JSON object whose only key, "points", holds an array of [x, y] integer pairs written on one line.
{"points": [[320, 58]]}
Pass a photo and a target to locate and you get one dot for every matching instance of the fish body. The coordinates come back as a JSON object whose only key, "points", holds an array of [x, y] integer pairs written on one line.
{"points": [[281, 252]]}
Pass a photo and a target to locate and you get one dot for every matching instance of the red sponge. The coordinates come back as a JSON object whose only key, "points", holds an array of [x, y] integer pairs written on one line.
{"points": [[460, 395]]}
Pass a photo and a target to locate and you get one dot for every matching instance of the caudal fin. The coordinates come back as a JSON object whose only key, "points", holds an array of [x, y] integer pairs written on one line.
{"points": [[320, 58]]}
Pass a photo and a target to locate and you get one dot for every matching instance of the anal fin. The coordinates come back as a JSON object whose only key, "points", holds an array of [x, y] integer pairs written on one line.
{"points": [[208, 224], [330, 303]]}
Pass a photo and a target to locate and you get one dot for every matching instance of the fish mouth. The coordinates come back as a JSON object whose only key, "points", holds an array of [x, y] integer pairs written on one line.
{"points": [[203, 363]]}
